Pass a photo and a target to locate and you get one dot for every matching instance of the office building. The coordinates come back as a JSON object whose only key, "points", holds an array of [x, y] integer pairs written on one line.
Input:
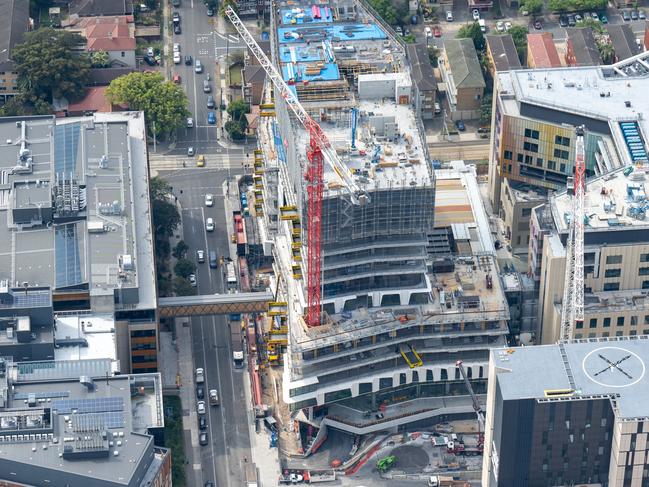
{"points": [[570, 414]]}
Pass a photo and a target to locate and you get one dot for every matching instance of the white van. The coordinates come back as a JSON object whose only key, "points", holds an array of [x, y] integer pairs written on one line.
{"points": [[483, 26]]}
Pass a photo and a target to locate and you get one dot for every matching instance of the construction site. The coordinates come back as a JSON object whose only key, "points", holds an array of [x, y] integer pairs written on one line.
{"points": [[374, 302]]}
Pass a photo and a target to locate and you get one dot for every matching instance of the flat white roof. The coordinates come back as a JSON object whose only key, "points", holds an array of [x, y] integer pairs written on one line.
{"points": [[96, 330]]}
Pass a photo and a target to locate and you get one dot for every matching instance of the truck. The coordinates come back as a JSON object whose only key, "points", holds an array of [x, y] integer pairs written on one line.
{"points": [[460, 448], [251, 476], [237, 344], [445, 481]]}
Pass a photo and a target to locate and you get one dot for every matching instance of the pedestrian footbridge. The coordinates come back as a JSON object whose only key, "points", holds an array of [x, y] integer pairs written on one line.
{"points": [[214, 304]]}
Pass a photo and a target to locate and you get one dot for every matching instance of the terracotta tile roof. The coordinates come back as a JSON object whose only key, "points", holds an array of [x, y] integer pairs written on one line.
{"points": [[542, 51], [115, 33]]}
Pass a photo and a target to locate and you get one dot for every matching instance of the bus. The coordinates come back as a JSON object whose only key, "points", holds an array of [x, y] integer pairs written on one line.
{"points": [[231, 276]]}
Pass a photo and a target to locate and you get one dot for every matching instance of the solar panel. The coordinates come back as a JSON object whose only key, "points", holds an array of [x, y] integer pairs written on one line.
{"points": [[41, 395], [66, 145], [98, 421], [106, 404], [68, 260]]}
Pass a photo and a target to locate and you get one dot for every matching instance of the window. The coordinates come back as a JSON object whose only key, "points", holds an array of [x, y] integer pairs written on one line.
{"points": [[620, 321], [611, 286], [613, 273], [644, 271], [539, 161], [526, 212], [645, 284], [508, 155], [552, 165], [644, 257], [565, 141], [533, 134], [519, 157], [429, 376], [593, 323], [619, 333], [528, 132], [557, 152], [607, 322], [562, 167], [578, 336], [123, 54], [528, 146], [385, 382], [402, 378], [634, 321], [605, 334], [529, 160], [364, 387], [415, 376], [580, 325], [613, 259]]}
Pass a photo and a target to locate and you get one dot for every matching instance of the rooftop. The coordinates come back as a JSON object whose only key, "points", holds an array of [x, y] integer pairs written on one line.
{"points": [[463, 63], [41, 422], [85, 336], [87, 8], [74, 206], [503, 52], [584, 47], [14, 22], [542, 51], [422, 70], [527, 372], [623, 40]]}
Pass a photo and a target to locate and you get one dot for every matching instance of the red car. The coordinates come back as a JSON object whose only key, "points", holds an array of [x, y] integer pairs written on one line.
{"points": [[437, 32], [176, 78]]}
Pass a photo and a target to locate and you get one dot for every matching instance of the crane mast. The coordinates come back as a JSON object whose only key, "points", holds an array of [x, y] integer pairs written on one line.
{"points": [[476, 405], [572, 309], [319, 151]]}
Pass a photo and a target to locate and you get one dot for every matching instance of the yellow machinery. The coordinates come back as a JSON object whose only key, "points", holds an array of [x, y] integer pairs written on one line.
{"points": [[410, 355]]}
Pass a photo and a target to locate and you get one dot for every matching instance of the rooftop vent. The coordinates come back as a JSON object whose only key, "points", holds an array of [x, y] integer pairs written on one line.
{"points": [[87, 382]]}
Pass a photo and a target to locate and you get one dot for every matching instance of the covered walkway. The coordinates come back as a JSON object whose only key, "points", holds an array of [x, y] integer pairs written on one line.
{"points": [[214, 304]]}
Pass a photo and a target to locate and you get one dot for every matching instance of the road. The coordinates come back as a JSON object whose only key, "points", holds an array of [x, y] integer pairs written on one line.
{"points": [[229, 442], [205, 39]]}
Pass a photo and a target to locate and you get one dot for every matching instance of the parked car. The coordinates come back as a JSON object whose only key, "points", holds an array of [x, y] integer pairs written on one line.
{"points": [[508, 25], [563, 21], [198, 66], [202, 438], [634, 15], [206, 86], [150, 52], [626, 15], [460, 125], [190, 122], [604, 19], [188, 60], [538, 25], [209, 200], [428, 32], [210, 101], [476, 14], [202, 423], [642, 15], [175, 18], [176, 47], [398, 30], [571, 20], [209, 224], [200, 392], [437, 32], [176, 58], [200, 160], [177, 29], [578, 18], [150, 61], [175, 3], [211, 118], [449, 16], [500, 26], [200, 256], [192, 279], [200, 375], [200, 407], [594, 16], [210, 12], [176, 79]]}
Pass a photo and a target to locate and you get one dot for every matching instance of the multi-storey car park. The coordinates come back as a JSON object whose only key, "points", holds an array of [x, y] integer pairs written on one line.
{"points": [[75, 233], [394, 321], [75, 423]]}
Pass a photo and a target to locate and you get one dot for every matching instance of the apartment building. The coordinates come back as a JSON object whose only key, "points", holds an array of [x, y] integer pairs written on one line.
{"points": [[75, 423], [14, 22], [501, 53], [581, 48], [462, 75], [76, 226], [541, 51], [568, 414], [392, 328]]}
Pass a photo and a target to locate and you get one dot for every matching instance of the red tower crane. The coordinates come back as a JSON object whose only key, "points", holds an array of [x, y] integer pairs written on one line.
{"points": [[319, 150]]}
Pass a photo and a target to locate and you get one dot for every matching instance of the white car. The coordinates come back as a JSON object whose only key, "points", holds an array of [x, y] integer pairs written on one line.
{"points": [[190, 122], [209, 225], [476, 14], [200, 256], [200, 407], [429, 33], [209, 199], [190, 151], [176, 47], [449, 16], [200, 375], [176, 58], [150, 52], [192, 280], [508, 25], [500, 26]]}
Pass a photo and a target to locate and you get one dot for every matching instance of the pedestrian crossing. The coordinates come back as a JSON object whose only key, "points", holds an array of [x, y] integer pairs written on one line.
{"points": [[173, 162]]}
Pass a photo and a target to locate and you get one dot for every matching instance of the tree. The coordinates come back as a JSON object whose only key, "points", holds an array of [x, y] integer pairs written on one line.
{"points": [[519, 35], [165, 214], [485, 109], [228, 3], [99, 59], [212, 3], [182, 287], [180, 249], [576, 5], [184, 267], [159, 188], [23, 104], [164, 103], [534, 7], [234, 130], [238, 109], [238, 123], [48, 66], [472, 31], [391, 12]]}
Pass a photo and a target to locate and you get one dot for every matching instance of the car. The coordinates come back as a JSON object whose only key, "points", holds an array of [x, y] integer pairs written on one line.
{"points": [[525, 13], [200, 160], [202, 423], [150, 61], [508, 25], [200, 407], [578, 18], [210, 12], [176, 58], [634, 15], [192, 279], [211, 118], [538, 25], [406, 32], [437, 108], [563, 21], [190, 151], [176, 79], [188, 60], [626, 15], [476, 14], [214, 397], [176, 47], [198, 66], [594, 16], [190, 122], [175, 18], [200, 392], [437, 32], [603, 18], [206, 86], [175, 3], [500, 26], [642, 15], [208, 484], [150, 52], [210, 102], [428, 32], [177, 29], [571, 20], [449, 16], [398, 30], [200, 375], [460, 125], [209, 224], [296, 478], [200, 256], [202, 438], [209, 200]]}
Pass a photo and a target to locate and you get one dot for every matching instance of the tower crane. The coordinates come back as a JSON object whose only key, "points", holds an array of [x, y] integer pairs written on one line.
{"points": [[572, 309], [319, 150], [476, 405]]}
